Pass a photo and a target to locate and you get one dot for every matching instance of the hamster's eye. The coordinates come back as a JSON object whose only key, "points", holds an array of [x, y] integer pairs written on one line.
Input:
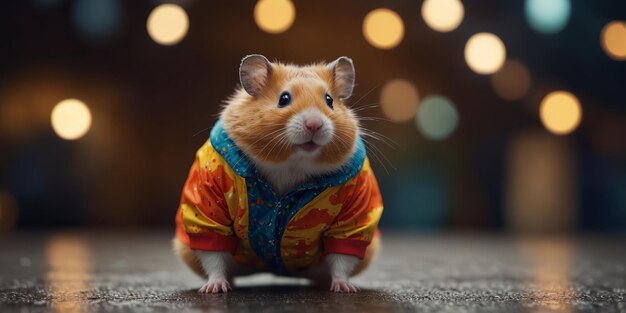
{"points": [[284, 100], [329, 100]]}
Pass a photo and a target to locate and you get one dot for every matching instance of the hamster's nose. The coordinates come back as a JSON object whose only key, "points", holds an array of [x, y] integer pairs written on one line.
{"points": [[313, 124]]}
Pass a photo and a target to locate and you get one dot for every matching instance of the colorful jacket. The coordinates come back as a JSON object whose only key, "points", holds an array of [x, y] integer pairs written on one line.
{"points": [[227, 206]]}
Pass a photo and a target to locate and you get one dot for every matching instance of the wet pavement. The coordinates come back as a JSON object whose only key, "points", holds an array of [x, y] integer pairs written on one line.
{"points": [[131, 271]]}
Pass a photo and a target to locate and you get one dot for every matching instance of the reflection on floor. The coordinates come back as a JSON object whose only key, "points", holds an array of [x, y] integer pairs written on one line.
{"points": [[136, 271], [69, 262]]}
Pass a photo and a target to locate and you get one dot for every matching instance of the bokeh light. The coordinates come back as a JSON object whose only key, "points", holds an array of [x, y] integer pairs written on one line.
{"points": [[8, 211], [26, 103], [512, 81], [560, 112], [71, 119], [274, 16], [168, 24], [485, 53], [437, 117], [443, 15], [97, 20], [613, 40], [547, 16], [383, 28], [541, 193], [399, 100]]}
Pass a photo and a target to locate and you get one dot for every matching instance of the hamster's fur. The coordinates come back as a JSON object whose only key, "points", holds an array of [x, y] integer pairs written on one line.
{"points": [[246, 116], [309, 137]]}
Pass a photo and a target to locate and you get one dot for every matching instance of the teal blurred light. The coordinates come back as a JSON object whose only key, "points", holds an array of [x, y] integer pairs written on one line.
{"points": [[437, 117], [548, 16], [416, 198], [97, 21]]}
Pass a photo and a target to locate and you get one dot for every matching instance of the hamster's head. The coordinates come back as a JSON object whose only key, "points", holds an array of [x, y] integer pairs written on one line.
{"points": [[287, 113]]}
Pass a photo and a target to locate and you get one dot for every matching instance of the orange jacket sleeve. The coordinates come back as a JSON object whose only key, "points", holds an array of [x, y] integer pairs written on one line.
{"points": [[356, 225], [204, 221]]}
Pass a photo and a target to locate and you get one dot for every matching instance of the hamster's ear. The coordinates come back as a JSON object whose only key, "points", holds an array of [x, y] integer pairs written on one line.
{"points": [[254, 72], [343, 73]]}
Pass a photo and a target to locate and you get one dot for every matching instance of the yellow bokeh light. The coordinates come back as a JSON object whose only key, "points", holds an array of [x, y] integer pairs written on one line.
{"points": [[167, 24], [512, 81], [71, 119], [560, 112], [274, 16], [399, 100], [443, 15], [485, 53], [383, 28], [613, 40]]}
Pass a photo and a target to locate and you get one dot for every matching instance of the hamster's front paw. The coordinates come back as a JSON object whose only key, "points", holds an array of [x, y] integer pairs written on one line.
{"points": [[216, 286], [342, 285]]}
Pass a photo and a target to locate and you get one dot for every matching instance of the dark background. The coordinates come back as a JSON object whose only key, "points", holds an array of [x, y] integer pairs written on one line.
{"points": [[148, 101]]}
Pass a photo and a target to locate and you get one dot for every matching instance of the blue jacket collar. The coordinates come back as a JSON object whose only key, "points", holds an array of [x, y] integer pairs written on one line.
{"points": [[240, 163]]}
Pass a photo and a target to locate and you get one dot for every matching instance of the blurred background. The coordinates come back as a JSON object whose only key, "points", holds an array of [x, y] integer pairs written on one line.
{"points": [[490, 115]]}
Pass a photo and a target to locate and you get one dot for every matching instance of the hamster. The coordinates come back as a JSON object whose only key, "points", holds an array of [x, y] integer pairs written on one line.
{"points": [[283, 184]]}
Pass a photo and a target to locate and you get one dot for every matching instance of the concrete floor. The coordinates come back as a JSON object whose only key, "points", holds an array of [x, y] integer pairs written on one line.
{"points": [[136, 272]]}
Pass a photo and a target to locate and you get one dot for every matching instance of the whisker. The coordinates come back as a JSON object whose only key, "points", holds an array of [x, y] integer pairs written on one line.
{"points": [[366, 107], [375, 151], [280, 139], [270, 143], [342, 142], [380, 137], [375, 155], [201, 131], [374, 135], [365, 95], [263, 137], [373, 118], [284, 145], [384, 156]]}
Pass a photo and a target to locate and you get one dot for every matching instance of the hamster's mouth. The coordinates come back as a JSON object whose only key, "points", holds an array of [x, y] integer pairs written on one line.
{"points": [[308, 146]]}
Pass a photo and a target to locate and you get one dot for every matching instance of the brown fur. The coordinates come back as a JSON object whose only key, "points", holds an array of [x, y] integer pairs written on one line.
{"points": [[257, 125], [190, 258]]}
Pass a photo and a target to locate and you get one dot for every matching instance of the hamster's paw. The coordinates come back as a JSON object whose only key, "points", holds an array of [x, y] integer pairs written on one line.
{"points": [[342, 285], [215, 286]]}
